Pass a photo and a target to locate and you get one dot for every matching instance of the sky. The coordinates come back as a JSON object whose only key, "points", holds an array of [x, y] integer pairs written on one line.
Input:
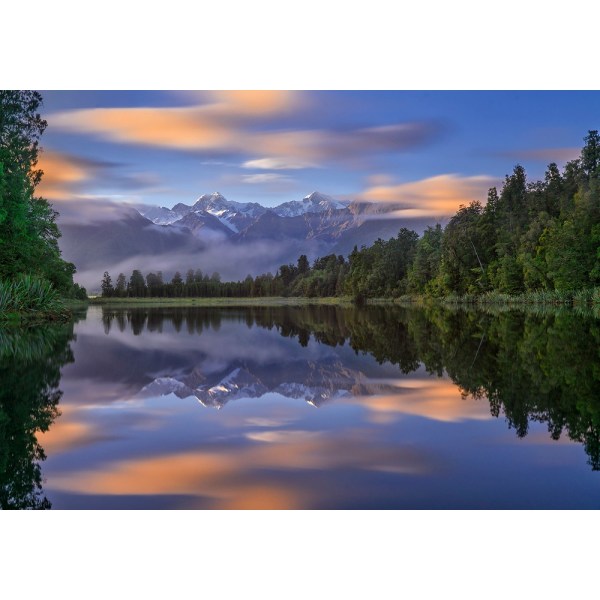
{"points": [[428, 151]]}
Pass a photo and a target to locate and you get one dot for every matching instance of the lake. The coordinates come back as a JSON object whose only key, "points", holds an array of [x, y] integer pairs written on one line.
{"points": [[311, 407]]}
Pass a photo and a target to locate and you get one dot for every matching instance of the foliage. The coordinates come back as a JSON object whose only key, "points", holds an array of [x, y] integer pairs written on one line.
{"points": [[28, 230], [27, 293]]}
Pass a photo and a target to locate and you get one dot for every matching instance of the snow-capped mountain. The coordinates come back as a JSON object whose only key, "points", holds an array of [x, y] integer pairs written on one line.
{"points": [[237, 216], [313, 203], [239, 238], [234, 215], [160, 215]]}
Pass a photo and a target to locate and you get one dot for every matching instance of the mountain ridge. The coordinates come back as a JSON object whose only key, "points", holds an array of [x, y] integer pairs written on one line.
{"points": [[217, 234]]}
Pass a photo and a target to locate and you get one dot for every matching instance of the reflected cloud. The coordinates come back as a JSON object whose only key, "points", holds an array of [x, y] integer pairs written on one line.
{"points": [[243, 478], [436, 399]]}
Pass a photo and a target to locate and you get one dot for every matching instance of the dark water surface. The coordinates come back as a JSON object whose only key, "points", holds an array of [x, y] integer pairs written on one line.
{"points": [[309, 407]]}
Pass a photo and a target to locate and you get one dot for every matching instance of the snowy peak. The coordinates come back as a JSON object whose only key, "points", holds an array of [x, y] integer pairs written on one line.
{"points": [[159, 215], [210, 200], [237, 217], [240, 383], [313, 203], [234, 215]]}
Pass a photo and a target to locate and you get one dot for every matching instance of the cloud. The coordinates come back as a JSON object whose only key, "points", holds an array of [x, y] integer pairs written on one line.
{"points": [[210, 125], [88, 210], [232, 261], [70, 177], [276, 164], [265, 178], [61, 174], [251, 478], [233, 123], [260, 102], [431, 197], [315, 146], [436, 399]]}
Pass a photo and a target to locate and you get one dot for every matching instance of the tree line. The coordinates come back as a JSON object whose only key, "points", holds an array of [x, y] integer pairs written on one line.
{"points": [[530, 236]]}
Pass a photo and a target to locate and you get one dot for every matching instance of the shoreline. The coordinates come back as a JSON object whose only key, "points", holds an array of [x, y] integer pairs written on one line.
{"points": [[216, 302]]}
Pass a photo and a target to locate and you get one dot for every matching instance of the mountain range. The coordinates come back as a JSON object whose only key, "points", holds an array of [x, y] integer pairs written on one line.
{"points": [[216, 234]]}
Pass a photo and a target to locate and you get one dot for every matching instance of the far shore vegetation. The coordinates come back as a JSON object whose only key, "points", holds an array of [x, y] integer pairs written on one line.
{"points": [[203, 301], [35, 281], [533, 243]]}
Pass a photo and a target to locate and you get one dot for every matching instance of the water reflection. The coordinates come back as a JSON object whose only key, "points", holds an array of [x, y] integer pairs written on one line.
{"points": [[216, 408], [30, 362], [530, 367]]}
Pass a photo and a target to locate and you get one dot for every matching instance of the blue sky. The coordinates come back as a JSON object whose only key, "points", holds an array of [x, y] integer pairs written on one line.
{"points": [[429, 150]]}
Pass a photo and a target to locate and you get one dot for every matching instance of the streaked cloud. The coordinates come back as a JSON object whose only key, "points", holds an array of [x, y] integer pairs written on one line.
{"points": [[437, 399], [436, 196], [70, 177], [246, 124], [275, 164], [265, 178], [317, 146], [233, 479], [61, 173], [213, 125]]}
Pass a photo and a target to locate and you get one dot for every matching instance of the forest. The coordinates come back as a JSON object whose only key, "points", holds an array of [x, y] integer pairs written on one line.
{"points": [[33, 276], [534, 240]]}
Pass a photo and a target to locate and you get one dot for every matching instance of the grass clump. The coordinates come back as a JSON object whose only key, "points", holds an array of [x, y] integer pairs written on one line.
{"points": [[29, 295]]}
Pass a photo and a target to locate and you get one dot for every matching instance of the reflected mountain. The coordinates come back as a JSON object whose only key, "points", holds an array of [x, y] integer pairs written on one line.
{"points": [[530, 366], [30, 363], [314, 382]]}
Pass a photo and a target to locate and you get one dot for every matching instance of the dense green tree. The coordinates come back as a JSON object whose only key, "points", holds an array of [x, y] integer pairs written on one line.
{"points": [[426, 264], [28, 230], [590, 155]]}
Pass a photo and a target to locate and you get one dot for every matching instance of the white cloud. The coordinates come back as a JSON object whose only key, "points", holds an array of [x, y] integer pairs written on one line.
{"points": [[276, 164]]}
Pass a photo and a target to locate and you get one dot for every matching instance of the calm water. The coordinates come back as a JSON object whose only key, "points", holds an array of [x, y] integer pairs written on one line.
{"points": [[312, 407]]}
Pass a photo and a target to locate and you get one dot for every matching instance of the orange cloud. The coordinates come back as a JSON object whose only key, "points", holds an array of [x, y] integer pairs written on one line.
{"points": [[187, 128], [435, 196], [260, 102], [216, 125], [69, 436], [60, 173], [436, 399], [227, 124]]}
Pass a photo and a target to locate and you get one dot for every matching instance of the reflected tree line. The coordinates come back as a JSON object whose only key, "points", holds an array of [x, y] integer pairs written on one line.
{"points": [[531, 366], [30, 363]]}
